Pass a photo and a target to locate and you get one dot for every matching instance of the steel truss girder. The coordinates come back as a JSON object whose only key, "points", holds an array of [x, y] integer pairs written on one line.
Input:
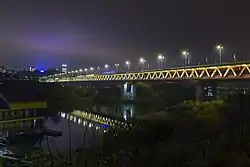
{"points": [[240, 71]]}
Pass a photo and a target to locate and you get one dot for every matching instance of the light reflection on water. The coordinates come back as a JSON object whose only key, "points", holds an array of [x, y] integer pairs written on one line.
{"points": [[125, 111], [79, 122], [78, 125]]}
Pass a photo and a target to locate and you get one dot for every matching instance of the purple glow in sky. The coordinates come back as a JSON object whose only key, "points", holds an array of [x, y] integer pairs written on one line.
{"points": [[80, 33]]}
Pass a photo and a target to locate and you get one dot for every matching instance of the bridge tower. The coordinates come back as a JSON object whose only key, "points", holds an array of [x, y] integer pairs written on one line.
{"points": [[206, 91], [128, 91]]}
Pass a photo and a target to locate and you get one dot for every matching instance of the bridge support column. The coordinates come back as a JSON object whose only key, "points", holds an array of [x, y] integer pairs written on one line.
{"points": [[128, 91], [206, 91], [128, 111]]}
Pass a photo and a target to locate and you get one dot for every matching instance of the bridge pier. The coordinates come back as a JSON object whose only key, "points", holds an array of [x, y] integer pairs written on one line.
{"points": [[206, 91], [128, 91], [128, 111]]}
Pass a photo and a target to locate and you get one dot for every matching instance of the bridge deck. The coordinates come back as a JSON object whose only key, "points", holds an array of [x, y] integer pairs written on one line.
{"points": [[229, 71]]}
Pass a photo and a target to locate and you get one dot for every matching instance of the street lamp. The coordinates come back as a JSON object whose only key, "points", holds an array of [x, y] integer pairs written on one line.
{"points": [[106, 66], [80, 70], [91, 69], [117, 66], [142, 62], [85, 69], [185, 54], [128, 63], [220, 48], [98, 69], [160, 57]]}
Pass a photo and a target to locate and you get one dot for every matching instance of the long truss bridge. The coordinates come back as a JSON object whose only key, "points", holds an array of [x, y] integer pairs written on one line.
{"points": [[240, 70]]}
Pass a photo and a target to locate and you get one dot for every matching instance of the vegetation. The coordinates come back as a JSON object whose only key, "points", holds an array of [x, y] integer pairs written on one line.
{"points": [[192, 134]]}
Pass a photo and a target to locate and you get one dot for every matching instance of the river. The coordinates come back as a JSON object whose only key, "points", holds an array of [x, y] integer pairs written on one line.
{"points": [[77, 130]]}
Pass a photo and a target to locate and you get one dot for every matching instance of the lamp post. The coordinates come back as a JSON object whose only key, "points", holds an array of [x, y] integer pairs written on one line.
{"points": [[220, 48], [234, 57], [186, 55], [128, 63], [117, 67], [160, 58], [142, 62], [91, 69], [106, 66], [98, 69]]}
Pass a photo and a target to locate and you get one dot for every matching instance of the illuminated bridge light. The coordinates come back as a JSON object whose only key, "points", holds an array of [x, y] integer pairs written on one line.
{"points": [[79, 121]]}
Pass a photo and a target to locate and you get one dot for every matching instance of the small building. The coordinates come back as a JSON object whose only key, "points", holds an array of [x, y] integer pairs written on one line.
{"points": [[21, 116], [64, 68], [32, 69]]}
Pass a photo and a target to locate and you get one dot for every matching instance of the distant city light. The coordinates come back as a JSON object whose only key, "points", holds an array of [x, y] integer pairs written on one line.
{"points": [[41, 70]]}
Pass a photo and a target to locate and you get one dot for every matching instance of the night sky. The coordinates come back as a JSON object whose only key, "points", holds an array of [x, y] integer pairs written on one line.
{"points": [[46, 33]]}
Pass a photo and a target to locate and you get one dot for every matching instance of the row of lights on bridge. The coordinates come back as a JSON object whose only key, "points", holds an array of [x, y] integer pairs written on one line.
{"points": [[160, 58], [186, 54]]}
